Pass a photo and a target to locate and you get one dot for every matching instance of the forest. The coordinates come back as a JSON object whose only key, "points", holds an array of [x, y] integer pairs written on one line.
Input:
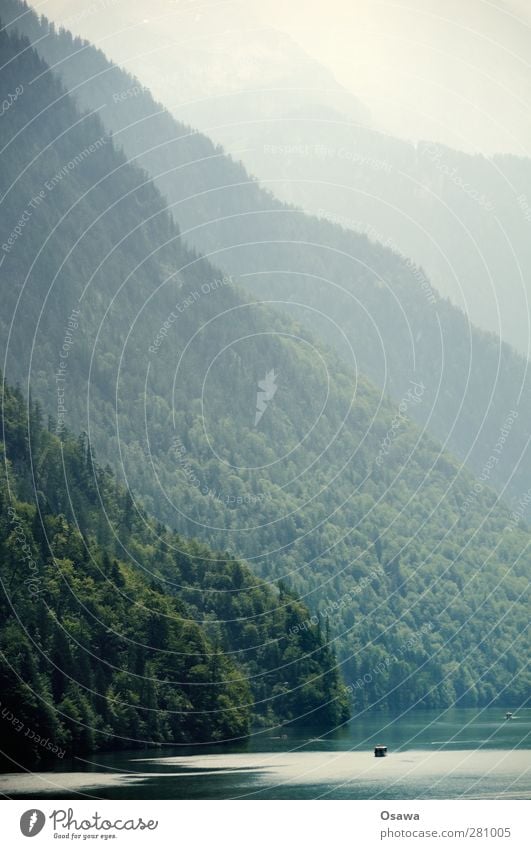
{"points": [[118, 633], [334, 543]]}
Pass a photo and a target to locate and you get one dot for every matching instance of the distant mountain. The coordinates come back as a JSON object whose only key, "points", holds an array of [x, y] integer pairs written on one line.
{"points": [[407, 562], [218, 63], [462, 217], [419, 73], [466, 220], [384, 306]]}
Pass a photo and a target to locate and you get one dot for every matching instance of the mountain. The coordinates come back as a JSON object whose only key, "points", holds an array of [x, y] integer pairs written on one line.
{"points": [[116, 632], [235, 425], [352, 293], [418, 74], [463, 217], [219, 63]]}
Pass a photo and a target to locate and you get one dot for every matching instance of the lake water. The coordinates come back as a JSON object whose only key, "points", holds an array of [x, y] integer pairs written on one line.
{"points": [[469, 754]]}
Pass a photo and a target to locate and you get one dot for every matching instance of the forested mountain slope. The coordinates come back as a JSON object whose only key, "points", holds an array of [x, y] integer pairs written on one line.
{"points": [[115, 632], [463, 217], [233, 424], [395, 322]]}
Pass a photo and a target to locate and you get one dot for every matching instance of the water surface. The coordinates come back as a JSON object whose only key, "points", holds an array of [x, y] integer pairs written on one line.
{"points": [[469, 753]]}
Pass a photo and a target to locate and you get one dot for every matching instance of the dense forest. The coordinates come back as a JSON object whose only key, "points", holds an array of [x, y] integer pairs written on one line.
{"points": [[116, 632], [353, 293], [398, 552]]}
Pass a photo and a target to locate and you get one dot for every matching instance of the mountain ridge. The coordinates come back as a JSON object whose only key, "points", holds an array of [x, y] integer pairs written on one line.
{"points": [[372, 294], [301, 495]]}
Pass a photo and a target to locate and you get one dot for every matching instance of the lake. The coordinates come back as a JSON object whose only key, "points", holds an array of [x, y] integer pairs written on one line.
{"points": [[458, 753]]}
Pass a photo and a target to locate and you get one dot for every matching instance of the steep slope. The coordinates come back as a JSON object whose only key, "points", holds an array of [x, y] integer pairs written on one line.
{"points": [[100, 650], [398, 326], [460, 216], [236, 426]]}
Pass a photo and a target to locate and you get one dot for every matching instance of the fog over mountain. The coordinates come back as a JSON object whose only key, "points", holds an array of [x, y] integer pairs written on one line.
{"points": [[213, 63], [400, 194], [457, 73], [318, 104], [265, 394]]}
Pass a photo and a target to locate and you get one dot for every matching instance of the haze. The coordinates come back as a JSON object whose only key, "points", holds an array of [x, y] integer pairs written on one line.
{"points": [[455, 73]]}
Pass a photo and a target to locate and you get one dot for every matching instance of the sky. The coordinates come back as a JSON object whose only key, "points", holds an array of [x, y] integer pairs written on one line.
{"points": [[443, 69], [453, 71]]}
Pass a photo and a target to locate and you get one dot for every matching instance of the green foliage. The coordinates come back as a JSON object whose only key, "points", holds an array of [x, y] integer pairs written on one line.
{"points": [[99, 650], [381, 550]]}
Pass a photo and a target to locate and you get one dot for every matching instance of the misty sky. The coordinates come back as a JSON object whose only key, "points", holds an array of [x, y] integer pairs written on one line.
{"points": [[456, 72], [457, 69]]}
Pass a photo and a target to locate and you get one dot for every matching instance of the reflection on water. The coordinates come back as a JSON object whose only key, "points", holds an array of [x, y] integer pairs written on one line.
{"points": [[458, 753]]}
